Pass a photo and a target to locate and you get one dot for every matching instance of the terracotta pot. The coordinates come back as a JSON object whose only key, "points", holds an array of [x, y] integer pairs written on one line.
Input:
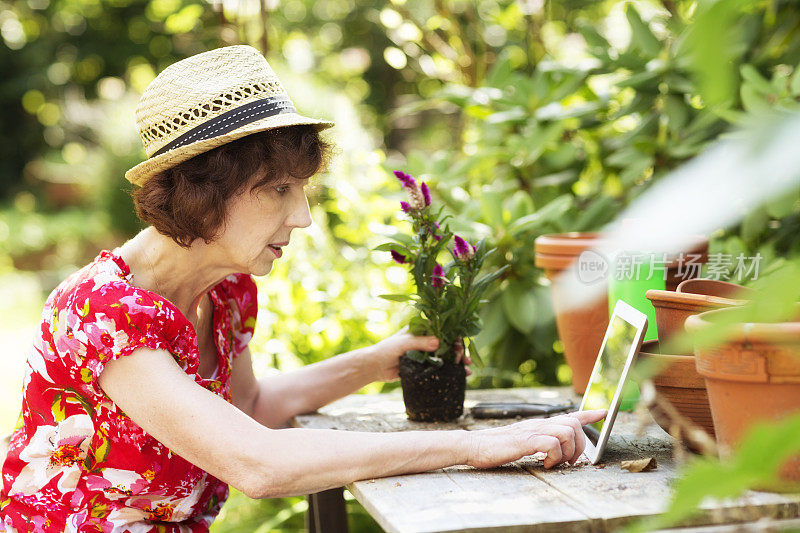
{"points": [[679, 383], [432, 394], [673, 308], [580, 330], [713, 287], [754, 377]]}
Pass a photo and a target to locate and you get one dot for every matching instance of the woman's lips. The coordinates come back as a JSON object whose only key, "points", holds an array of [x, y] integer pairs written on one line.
{"points": [[276, 250]]}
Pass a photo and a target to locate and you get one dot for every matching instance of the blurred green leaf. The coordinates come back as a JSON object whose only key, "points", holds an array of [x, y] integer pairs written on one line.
{"points": [[642, 35]]}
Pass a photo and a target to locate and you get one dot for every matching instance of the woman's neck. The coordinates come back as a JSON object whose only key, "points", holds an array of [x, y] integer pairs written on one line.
{"points": [[181, 275]]}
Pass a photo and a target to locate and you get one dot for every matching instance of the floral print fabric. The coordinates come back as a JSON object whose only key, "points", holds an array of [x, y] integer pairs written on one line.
{"points": [[76, 462]]}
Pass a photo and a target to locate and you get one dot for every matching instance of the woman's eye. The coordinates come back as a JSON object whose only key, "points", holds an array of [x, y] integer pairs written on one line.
{"points": [[282, 189]]}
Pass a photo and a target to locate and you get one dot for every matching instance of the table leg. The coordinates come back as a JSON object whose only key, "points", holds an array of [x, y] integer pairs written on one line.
{"points": [[326, 512]]}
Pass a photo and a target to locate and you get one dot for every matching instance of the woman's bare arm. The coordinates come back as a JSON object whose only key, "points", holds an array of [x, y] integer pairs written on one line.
{"points": [[209, 432], [274, 400]]}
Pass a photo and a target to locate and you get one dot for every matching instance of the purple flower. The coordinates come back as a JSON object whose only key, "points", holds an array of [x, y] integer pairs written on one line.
{"points": [[405, 207], [426, 193], [463, 250], [398, 257], [405, 179], [417, 199], [437, 279]]}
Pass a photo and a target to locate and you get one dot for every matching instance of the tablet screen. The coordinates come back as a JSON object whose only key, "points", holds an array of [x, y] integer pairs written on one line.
{"points": [[607, 372]]}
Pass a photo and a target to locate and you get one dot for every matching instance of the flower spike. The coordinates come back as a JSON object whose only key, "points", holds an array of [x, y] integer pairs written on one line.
{"points": [[463, 250], [405, 179], [437, 279], [426, 193]]}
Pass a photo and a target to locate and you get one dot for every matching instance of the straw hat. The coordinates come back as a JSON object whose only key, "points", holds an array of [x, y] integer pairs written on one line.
{"points": [[207, 100]]}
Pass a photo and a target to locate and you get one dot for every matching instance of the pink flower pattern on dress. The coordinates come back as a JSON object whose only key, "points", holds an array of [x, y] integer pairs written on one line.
{"points": [[75, 461]]}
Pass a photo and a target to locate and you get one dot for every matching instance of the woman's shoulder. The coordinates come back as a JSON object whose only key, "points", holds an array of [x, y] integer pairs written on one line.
{"points": [[103, 287]]}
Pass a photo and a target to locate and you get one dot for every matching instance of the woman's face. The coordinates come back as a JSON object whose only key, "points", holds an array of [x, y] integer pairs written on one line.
{"points": [[259, 223]]}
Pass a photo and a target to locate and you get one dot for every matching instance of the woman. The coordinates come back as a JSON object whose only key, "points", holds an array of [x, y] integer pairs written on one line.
{"points": [[140, 405]]}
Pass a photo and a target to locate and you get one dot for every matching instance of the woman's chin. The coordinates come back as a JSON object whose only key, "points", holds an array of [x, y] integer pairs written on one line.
{"points": [[262, 267]]}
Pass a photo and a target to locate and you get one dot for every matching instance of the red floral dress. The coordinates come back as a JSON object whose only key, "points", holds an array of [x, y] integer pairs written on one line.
{"points": [[76, 462]]}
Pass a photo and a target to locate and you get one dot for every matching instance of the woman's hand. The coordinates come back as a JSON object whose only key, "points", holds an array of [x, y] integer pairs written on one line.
{"points": [[560, 437], [383, 358]]}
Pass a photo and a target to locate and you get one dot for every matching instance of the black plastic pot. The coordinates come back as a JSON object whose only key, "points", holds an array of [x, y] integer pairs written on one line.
{"points": [[430, 393]]}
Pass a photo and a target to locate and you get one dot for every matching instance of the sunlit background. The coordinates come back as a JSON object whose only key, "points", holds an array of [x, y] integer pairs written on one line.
{"points": [[526, 117]]}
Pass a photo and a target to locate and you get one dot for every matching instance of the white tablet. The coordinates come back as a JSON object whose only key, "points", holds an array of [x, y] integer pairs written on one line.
{"points": [[622, 342]]}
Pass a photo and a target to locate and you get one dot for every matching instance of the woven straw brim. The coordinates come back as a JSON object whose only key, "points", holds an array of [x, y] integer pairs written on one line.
{"points": [[144, 170]]}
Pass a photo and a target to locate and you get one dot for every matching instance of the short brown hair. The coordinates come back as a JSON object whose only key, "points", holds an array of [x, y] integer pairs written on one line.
{"points": [[189, 201]]}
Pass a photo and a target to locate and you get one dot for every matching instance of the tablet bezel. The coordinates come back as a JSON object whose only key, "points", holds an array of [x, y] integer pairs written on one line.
{"points": [[638, 320]]}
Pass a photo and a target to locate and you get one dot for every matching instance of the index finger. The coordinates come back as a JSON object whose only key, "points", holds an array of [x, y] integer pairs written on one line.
{"points": [[590, 417]]}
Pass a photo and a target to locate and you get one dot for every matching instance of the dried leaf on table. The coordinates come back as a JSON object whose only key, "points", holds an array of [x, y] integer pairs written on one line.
{"points": [[639, 465]]}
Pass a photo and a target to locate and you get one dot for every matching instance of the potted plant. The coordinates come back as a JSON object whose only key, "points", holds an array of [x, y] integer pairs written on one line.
{"points": [[446, 304]]}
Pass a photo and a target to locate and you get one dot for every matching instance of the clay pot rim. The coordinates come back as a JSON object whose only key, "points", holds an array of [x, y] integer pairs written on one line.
{"points": [[646, 351], [744, 291], [689, 300], [566, 244], [756, 332], [558, 250], [574, 242], [674, 370]]}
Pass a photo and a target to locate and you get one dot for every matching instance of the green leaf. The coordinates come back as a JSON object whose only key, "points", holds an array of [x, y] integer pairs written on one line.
{"points": [[389, 246], [473, 352], [756, 80], [794, 83], [416, 355], [601, 210], [593, 38], [419, 326], [754, 224], [492, 207], [519, 205], [481, 284], [753, 100], [547, 214], [783, 205], [641, 34], [519, 304], [677, 112], [495, 324], [395, 297]]}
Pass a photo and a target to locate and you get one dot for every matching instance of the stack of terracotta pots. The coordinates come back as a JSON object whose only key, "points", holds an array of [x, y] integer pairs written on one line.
{"points": [[753, 377], [581, 330], [679, 383]]}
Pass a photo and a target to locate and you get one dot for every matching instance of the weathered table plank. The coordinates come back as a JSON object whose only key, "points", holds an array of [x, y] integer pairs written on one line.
{"points": [[523, 496], [465, 499]]}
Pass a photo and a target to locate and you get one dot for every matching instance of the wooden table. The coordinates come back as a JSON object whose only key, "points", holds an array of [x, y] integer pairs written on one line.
{"points": [[521, 496]]}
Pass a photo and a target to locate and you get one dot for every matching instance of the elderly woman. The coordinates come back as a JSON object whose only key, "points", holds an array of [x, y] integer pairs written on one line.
{"points": [[140, 405]]}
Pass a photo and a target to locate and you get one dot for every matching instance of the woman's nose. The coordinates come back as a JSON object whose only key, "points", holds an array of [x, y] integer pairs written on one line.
{"points": [[300, 216]]}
